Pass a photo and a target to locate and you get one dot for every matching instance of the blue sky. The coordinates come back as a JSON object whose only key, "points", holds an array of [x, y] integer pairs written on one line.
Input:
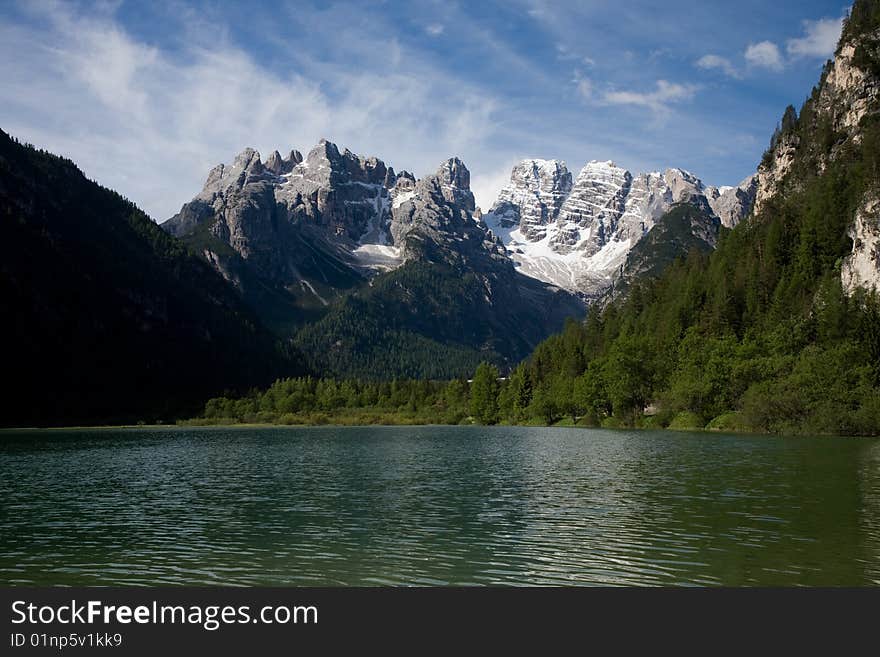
{"points": [[147, 97]]}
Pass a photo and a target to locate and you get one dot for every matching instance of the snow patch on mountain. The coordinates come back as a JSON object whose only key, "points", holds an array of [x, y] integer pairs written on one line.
{"points": [[577, 235]]}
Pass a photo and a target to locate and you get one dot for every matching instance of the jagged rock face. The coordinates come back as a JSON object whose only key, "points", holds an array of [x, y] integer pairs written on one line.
{"points": [[319, 224], [433, 218], [862, 267], [848, 92], [361, 208], [607, 210], [592, 210], [335, 198], [732, 204], [771, 176], [339, 191], [535, 194]]}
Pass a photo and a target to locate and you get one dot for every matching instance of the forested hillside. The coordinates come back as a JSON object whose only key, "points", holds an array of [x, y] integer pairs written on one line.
{"points": [[434, 320], [761, 334], [106, 318], [767, 333]]}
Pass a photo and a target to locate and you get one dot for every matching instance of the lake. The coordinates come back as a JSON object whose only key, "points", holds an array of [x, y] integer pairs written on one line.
{"points": [[436, 506]]}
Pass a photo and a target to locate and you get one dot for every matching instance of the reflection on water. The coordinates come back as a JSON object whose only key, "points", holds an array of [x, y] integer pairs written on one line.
{"points": [[436, 505]]}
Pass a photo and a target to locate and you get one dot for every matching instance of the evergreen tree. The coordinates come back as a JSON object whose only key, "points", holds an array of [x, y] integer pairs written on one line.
{"points": [[484, 394], [521, 393]]}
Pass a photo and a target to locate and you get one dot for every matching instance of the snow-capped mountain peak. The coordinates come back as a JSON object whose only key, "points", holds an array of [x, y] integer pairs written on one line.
{"points": [[577, 234]]}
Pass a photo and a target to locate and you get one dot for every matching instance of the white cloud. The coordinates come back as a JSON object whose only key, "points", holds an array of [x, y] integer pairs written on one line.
{"points": [[764, 54], [487, 186], [585, 88], [583, 85], [819, 40], [565, 54], [435, 29], [709, 62], [658, 100], [538, 10], [151, 125]]}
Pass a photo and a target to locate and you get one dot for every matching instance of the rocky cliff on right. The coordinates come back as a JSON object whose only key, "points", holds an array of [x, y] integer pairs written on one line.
{"points": [[591, 234], [828, 155]]}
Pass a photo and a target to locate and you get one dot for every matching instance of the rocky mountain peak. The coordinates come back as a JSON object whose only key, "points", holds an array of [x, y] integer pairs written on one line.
{"points": [[247, 158], [682, 184], [454, 173], [274, 163], [533, 197], [453, 180], [576, 235], [245, 168], [732, 204], [434, 219], [326, 165], [350, 209]]}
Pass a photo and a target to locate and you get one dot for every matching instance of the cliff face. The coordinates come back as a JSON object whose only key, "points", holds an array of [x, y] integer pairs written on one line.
{"points": [[577, 235], [534, 196], [861, 269], [851, 95], [295, 220], [295, 223], [833, 123], [435, 222], [379, 274], [732, 204], [846, 94]]}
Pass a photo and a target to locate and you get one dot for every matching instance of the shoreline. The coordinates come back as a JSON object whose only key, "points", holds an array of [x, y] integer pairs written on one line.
{"points": [[330, 425]]}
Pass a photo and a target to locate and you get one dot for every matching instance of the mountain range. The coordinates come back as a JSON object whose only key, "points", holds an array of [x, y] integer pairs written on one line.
{"points": [[577, 235], [333, 264], [378, 274], [318, 225]]}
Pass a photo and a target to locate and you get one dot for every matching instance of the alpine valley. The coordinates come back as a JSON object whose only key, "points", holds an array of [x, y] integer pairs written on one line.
{"points": [[605, 297], [751, 308], [380, 275]]}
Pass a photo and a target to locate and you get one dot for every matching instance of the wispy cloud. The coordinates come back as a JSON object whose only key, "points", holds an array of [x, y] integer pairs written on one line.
{"points": [[583, 85], [147, 101], [819, 40], [435, 29], [764, 54], [659, 100], [565, 54], [152, 126], [710, 62]]}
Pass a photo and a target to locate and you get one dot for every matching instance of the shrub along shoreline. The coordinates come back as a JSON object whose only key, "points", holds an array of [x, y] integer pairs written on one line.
{"points": [[485, 400]]}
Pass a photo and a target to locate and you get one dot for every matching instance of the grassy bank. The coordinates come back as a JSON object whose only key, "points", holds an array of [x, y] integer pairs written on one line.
{"points": [[726, 423]]}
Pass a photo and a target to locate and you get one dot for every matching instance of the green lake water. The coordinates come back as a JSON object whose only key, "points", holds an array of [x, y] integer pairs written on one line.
{"points": [[436, 506]]}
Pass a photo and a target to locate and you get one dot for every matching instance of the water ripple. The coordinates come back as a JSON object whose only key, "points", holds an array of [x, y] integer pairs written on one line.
{"points": [[436, 506]]}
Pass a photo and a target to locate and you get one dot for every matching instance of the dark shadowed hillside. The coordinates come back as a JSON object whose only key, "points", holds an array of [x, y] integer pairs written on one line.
{"points": [[106, 318]]}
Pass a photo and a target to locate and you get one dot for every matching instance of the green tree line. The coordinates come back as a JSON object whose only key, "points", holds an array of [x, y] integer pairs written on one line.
{"points": [[756, 336]]}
